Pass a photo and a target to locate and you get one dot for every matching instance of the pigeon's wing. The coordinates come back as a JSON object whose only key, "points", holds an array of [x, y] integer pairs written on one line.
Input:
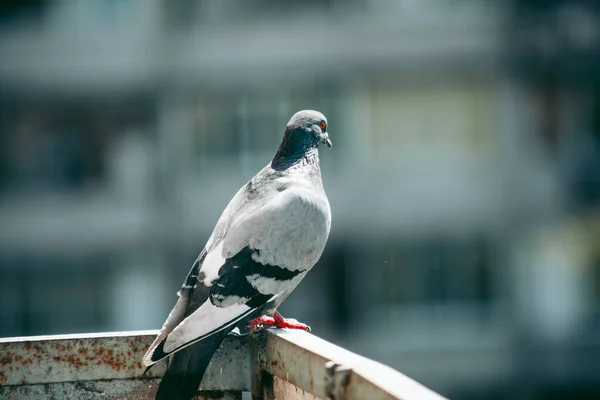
{"points": [[290, 231], [183, 305], [192, 293], [263, 255]]}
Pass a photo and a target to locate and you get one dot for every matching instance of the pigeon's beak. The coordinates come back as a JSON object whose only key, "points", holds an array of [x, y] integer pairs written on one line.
{"points": [[326, 140]]}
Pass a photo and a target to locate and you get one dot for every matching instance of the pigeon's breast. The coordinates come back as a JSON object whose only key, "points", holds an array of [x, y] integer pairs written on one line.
{"points": [[292, 230]]}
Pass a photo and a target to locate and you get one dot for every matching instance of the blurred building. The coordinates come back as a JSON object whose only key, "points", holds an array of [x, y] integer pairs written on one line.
{"points": [[464, 179]]}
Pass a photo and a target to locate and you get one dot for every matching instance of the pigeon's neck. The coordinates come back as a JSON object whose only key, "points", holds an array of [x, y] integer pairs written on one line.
{"points": [[287, 158]]}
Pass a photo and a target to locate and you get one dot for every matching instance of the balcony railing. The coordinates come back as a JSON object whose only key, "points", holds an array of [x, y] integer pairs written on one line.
{"points": [[275, 364]]}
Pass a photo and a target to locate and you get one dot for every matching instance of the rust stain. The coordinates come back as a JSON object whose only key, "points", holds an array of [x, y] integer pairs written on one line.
{"points": [[75, 354], [347, 382], [11, 360], [133, 345], [123, 357], [310, 374], [7, 359]]}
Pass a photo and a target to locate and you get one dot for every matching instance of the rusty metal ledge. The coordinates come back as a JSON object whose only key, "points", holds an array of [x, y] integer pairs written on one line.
{"points": [[108, 366], [39, 360], [71, 358]]}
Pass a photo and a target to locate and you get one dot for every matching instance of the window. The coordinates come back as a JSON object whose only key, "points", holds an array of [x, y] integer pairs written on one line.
{"points": [[450, 114], [438, 271]]}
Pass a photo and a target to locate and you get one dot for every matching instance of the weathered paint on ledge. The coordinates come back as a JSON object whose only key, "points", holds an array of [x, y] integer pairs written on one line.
{"points": [[129, 389], [330, 372], [106, 356], [276, 364], [69, 358]]}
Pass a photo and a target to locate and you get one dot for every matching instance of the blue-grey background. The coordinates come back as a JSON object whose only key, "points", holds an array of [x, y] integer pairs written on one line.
{"points": [[464, 179]]}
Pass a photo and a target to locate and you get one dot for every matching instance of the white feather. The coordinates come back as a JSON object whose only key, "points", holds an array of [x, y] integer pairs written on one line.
{"points": [[227, 301], [213, 261], [202, 322], [271, 285]]}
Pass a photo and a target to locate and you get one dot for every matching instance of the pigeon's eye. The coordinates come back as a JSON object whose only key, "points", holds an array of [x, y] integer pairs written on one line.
{"points": [[322, 125]]}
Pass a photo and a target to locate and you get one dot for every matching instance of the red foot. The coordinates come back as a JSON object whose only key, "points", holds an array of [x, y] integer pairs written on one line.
{"points": [[277, 321], [264, 320]]}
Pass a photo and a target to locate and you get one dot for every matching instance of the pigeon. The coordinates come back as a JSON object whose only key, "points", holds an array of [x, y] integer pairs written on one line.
{"points": [[270, 235]]}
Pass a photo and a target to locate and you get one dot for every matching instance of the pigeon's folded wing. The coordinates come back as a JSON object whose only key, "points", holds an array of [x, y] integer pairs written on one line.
{"points": [[290, 231], [262, 255]]}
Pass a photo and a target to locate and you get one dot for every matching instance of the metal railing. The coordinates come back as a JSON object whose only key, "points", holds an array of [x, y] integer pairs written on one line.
{"points": [[274, 364]]}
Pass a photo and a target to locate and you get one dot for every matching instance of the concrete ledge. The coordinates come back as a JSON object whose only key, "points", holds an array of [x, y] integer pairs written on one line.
{"points": [[328, 371]]}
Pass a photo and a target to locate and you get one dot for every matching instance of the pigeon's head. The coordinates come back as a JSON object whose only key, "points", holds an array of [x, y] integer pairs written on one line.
{"points": [[307, 129]]}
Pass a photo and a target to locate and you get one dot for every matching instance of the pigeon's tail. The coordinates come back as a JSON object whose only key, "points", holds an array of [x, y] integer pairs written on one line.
{"points": [[186, 369]]}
